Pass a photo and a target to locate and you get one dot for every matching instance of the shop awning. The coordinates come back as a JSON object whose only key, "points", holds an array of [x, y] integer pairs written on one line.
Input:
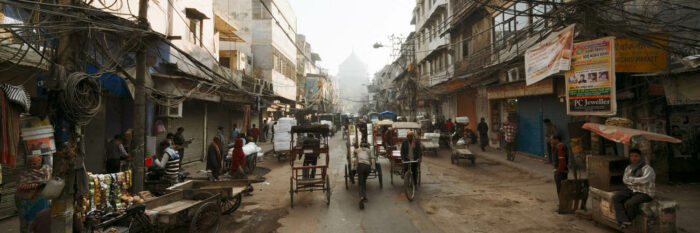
{"points": [[623, 135]]}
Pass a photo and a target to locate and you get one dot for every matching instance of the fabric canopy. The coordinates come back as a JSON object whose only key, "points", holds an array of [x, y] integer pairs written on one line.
{"points": [[387, 113], [623, 135]]}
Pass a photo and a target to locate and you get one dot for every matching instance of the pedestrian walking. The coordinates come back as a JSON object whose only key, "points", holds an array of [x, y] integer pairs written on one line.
{"points": [[273, 131], [549, 133], [640, 180], [255, 133], [265, 128], [510, 131], [214, 157], [235, 132], [561, 168], [363, 170], [449, 125], [483, 129]]}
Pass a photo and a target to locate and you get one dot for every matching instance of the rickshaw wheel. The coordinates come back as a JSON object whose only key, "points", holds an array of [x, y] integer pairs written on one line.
{"points": [[346, 177], [291, 191], [206, 219], [379, 175], [229, 205], [410, 186], [328, 190]]}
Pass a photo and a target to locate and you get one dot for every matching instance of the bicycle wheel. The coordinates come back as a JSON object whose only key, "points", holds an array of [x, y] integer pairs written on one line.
{"points": [[409, 185]]}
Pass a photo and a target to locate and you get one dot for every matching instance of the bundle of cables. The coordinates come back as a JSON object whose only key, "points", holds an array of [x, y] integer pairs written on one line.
{"points": [[81, 98]]}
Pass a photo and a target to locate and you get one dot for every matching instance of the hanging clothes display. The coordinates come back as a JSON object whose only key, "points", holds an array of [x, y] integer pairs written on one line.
{"points": [[9, 134]]}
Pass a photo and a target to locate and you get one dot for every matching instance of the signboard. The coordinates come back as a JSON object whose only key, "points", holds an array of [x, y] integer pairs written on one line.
{"points": [[682, 89], [520, 89], [636, 57], [549, 56], [590, 85]]}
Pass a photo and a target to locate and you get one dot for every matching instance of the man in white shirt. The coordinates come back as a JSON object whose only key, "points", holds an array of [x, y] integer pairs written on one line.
{"points": [[363, 169], [639, 178]]}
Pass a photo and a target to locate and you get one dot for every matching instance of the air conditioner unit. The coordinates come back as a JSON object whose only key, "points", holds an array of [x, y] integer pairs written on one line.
{"points": [[513, 75], [170, 110]]}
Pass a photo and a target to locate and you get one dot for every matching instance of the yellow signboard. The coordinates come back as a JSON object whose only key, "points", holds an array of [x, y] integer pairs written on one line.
{"points": [[637, 57]]}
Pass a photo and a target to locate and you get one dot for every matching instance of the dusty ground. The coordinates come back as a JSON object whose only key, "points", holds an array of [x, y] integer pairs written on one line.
{"points": [[486, 197]]}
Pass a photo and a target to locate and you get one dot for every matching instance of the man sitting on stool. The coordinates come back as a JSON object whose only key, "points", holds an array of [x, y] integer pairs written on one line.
{"points": [[639, 178]]}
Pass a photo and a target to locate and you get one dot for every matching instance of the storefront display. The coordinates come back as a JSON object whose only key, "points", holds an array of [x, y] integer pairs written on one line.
{"points": [[107, 192]]}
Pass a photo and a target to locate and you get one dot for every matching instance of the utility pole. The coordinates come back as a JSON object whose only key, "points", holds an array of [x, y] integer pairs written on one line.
{"points": [[138, 155]]}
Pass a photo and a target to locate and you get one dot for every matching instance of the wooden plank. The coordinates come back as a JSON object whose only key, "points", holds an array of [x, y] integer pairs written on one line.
{"points": [[176, 207]]}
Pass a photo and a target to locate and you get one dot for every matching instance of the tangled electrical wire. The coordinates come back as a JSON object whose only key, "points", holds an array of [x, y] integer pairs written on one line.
{"points": [[81, 98]]}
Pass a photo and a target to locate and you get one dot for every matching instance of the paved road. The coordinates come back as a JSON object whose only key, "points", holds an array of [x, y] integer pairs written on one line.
{"points": [[486, 197]]}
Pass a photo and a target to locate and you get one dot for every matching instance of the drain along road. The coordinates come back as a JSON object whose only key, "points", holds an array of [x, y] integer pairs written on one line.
{"points": [[486, 197]]}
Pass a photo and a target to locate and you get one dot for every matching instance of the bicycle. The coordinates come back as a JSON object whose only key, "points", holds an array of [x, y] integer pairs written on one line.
{"points": [[408, 182], [134, 219]]}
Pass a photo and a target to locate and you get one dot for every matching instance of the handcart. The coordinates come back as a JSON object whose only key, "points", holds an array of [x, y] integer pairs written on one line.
{"points": [[230, 191], [199, 210], [430, 142], [460, 149], [319, 181]]}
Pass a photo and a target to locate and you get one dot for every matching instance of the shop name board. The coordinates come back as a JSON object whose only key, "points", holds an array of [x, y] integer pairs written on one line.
{"points": [[520, 89], [637, 57], [590, 85]]}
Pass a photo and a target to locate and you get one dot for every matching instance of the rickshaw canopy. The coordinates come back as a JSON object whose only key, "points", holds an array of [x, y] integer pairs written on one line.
{"points": [[623, 135], [387, 113], [384, 123], [319, 128]]}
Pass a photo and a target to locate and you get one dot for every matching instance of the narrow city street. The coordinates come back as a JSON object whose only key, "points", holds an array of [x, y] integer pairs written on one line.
{"points": [[486, 197]]}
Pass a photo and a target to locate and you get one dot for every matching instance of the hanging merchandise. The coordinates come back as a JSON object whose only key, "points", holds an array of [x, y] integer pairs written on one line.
{"points": [[9, 130], [38, 136], [107, 192]]}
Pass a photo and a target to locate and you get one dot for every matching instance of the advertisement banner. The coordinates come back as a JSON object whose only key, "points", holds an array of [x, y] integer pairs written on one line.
{"points": [[590, 86], [549, 56], [637, 57]]}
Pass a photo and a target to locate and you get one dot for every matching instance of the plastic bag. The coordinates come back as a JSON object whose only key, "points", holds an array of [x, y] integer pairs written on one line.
{"points": [[53, 188]]}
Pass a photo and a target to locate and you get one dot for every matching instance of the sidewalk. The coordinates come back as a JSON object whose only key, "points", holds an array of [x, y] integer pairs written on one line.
{"points": [[686, 194]]}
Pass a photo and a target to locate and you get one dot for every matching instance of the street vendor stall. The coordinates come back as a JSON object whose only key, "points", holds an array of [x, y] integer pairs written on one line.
{"points": [[605, 176]]}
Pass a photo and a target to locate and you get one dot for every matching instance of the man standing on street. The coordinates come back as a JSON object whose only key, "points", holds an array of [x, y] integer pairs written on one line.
{"points": [[179, 141], [363, 170], [114, 155], [235, 132], [255, 132], [561, 168], [448, 125], [549, 133], [220, 133], [265, 128], [510, 131], [640, 180], [214, 157], [483, 129]]}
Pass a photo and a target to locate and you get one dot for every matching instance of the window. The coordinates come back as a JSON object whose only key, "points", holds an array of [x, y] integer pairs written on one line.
{"points": [[259, 11], [225, 62], [195, 31]]}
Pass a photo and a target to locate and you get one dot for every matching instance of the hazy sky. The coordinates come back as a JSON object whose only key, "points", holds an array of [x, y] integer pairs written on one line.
{"points": [[335, 27]]}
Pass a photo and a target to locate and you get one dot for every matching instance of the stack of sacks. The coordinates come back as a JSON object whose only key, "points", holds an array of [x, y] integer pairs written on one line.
{"points": [[282, 133]]}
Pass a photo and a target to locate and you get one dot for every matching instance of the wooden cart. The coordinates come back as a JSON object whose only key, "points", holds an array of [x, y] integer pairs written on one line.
{"points": [[461, 151], [430, 144], [198, 209], [230, 191]]}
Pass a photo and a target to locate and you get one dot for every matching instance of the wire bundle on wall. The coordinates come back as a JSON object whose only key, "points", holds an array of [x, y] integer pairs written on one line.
{"points": [[81, 98]]}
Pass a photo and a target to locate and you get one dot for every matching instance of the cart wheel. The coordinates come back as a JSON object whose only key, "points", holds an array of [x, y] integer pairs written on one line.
{"points": [[202, 195], [346, 177], [291, 191], [409, 185], [278, 157], [206, 219], [229, 205], [379, 175], [328, 191], [253, 164]]}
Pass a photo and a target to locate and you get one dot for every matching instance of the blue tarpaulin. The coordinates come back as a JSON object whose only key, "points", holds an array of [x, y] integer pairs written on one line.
{"points": [[113, 83], [387, 113]]}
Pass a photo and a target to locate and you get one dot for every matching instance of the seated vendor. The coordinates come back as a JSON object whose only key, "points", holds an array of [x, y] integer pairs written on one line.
{"points": [[639, 178]]}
